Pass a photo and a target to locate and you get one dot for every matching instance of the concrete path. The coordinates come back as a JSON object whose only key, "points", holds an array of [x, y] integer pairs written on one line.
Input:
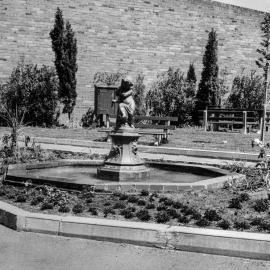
{"points": [[161, 156], [32, 251]]}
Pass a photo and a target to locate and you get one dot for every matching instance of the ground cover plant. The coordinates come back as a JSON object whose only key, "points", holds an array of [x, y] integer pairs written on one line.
{"points": [[206, 208]]}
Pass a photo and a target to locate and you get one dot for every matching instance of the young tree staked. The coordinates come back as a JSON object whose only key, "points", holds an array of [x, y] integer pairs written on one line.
{"points": [[263, 63], [208, 90], [64, 45]]}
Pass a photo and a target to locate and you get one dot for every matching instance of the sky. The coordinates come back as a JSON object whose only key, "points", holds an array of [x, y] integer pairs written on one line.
{"points": [[263, 5]]}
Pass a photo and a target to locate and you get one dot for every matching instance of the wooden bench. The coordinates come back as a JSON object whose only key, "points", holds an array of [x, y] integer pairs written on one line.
{"points": [[147, 127]]}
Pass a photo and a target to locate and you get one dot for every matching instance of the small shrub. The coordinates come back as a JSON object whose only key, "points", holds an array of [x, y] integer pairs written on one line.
{"points": [[127, 213], [21, 198], [257, 221], [89, 200], [264, 226], [93, 210], [196, 215], [177, 205], [235, 203], [133, 199], [88, 118], [188, 211], [244, 197], [224, 224], [77, 208], [212, 215], [161, 207], [143, 215], [183, 219], [150, 206], [141, 202], [123, 197], [46, 205], [241, 225], [108, 210], [119, 205], [64, 208], [144, 192], [203, 222], [37, 200], [166, 201], [261, 205], [107, 204], [172, 212], [162, 217]]}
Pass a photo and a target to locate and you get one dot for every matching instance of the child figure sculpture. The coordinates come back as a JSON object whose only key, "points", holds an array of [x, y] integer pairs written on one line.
{"points": [[126, 107]]}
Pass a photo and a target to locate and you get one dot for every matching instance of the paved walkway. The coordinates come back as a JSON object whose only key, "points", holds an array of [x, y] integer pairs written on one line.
{"points": [[161, 156], [32, 251]]}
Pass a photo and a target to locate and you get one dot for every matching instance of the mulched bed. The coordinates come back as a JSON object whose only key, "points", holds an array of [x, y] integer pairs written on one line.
{"points": [[222, 208]]}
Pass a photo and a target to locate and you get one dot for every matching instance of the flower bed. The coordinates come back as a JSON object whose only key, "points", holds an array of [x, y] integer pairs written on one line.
{"points": [[223, 208]]}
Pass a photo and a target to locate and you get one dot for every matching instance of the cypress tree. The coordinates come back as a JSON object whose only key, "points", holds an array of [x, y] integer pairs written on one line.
{"points": [[263, 63], [208, 91], [64, 45], [191, 76]]}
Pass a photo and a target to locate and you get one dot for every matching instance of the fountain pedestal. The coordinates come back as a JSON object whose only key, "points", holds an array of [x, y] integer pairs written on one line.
{"points": [[123, 163]]}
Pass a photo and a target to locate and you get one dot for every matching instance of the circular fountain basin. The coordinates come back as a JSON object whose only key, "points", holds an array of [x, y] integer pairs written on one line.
{"points": [[76, 174]]}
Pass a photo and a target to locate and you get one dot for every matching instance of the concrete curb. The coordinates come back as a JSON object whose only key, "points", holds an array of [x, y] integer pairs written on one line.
{"points": [[211, 241]]}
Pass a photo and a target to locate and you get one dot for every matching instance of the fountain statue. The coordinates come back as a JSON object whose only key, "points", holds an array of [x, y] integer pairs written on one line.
{"points": [[123, 162]]}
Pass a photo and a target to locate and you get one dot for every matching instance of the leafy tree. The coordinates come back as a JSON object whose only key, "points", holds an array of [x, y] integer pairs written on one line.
{"points": [[263, 63], [64, 45], [107, 78], [139, 94], [208, 91], [247, 92], [191, 75], [28, 96], [172, 95]]}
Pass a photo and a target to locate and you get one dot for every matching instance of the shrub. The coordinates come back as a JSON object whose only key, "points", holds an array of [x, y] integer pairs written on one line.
{"points": [[37, 200], [161, 207], [77, 208], [150, 206], [244, 197], [143, 215], [172, 212], [141, 202], [64, 208], [264, 226], [144, 192], [235, 203], [107, 204], [241, 225], [224, 224], [46, 205], [196, 215], [21, 198], [183, 219], [123, 197], [166, 201], [93, 210], [202, 222], [187, 210], [261, 205], [89, 200], [108, 210], [88, 118], [127, 213], [212, 215], [177, 205], [133, 199], [162, 217], [119, 205]]}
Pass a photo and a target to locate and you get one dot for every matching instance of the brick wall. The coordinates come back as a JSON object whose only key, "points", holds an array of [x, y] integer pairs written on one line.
{"points": [[133, 35]]}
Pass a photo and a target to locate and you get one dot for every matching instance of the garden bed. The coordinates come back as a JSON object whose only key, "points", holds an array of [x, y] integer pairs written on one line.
{"points": [[222, 208]]}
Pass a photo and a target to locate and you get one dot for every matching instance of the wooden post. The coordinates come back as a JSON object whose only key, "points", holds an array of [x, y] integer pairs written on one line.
{"points": [[107, 120], [244, 122], [205, 120]]}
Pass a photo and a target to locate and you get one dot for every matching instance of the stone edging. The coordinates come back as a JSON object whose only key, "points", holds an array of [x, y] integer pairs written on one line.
{"points": [[211, 241]]}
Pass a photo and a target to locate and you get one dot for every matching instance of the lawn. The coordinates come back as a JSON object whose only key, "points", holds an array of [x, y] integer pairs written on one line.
{"points": [[182, 137]]}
